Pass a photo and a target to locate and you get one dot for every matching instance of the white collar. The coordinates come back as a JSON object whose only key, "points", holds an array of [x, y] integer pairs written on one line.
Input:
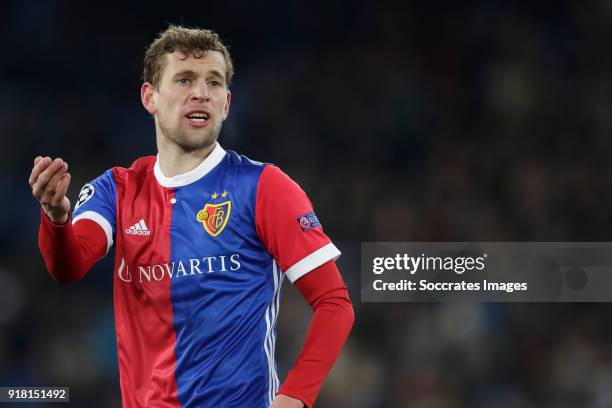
{"points": [[210, 162]]}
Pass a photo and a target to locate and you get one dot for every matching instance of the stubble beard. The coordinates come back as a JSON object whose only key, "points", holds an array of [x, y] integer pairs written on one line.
{"points": [[180, 138]]}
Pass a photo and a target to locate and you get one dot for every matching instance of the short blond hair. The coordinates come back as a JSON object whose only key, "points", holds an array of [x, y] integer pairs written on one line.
{"points": [[187, 41]]}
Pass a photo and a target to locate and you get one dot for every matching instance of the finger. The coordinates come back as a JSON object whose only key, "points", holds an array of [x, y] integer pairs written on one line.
{"points": [[41, 187], [37, 159], [51, 187], [38, 168], [53, 183], [60, 191], [43, 179]]}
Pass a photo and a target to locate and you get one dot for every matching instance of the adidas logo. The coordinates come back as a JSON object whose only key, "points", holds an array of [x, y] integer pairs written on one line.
{"points": [[140, 228]]}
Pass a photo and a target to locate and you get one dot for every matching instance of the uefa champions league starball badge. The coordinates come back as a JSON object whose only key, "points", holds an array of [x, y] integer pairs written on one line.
{"points": [[86, 193]]}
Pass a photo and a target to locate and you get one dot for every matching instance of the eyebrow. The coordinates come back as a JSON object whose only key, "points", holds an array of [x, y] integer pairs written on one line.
{"points": [[188, 72]]}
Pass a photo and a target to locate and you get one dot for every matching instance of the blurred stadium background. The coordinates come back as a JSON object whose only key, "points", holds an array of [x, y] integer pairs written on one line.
{"points": [[431, 121]]}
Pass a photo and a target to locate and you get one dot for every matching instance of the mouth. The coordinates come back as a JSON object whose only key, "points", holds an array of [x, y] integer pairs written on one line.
{"points": [[198, 118]]}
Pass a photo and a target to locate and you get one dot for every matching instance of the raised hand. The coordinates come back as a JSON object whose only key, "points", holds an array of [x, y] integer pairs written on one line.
{"points": [[49, 181]]}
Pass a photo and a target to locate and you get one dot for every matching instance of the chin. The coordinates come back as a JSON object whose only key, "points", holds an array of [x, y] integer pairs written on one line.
{"points": [[196, 143]]}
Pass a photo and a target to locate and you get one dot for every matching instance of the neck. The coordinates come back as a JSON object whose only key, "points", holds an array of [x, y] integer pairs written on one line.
{"points": [[174, 161]]}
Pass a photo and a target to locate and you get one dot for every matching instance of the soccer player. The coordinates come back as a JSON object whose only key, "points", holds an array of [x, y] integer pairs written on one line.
{"points": [[203, 240]]}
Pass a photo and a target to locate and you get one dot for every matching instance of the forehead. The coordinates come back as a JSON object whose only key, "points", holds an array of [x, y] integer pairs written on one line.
{"points": [[199, 62]]}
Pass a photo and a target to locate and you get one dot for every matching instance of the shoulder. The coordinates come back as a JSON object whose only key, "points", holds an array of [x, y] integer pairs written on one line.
{"points": [[139, 168], [267, 174], [274, 177], [242, 166], [238, 160]]}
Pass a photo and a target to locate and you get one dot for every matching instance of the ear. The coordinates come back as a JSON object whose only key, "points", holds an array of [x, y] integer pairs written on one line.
{"points": [[228, 101], [146, 96]]}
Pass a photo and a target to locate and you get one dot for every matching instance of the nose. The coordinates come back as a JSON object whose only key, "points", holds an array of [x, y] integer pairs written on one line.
{"points": [[200, 92]]}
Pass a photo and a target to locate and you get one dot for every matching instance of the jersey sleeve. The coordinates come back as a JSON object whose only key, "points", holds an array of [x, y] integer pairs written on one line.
{"points": [[288, 226], [97, 202], [69, 251], [331, 323]]}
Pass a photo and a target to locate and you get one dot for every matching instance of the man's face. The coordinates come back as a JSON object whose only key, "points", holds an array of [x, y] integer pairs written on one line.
{"points": [[192, 99]]}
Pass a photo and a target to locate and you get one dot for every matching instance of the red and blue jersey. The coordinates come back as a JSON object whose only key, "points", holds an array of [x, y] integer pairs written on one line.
{"points": [[199, 263]]}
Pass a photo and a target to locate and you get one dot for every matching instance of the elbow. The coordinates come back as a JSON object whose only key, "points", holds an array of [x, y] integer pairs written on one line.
{"points": [[65, 276], [350, 315], [339, 304], [65, 280], [343, 310]]}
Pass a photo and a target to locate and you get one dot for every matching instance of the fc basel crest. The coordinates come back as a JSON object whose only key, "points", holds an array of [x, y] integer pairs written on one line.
{"points": [[214, 216]]}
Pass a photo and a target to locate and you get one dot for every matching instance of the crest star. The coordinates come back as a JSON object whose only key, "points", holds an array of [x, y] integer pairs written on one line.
{"points": [[224, 194], [215, 195]]}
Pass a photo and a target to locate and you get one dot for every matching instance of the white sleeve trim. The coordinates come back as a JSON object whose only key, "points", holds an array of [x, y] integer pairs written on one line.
{"points": [[102, 222], [312, 261]]}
